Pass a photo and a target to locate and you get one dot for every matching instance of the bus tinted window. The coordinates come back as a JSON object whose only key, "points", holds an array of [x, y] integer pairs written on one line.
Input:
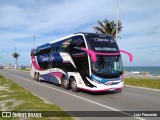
{"points": [[45, 50], [77, 41], [61, 46], [33, 52]]}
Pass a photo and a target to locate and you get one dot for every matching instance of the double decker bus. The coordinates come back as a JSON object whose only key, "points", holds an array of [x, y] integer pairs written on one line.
{"points": [[86, 61]]}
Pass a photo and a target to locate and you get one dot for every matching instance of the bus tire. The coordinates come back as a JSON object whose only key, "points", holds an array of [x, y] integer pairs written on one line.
{"points": [[34, 76], [37, 77], [64, 83], [74, 85]]}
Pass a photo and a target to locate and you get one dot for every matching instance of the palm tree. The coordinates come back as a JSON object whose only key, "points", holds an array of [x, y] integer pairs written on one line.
{"points": [[108, 27], [16, 55]]}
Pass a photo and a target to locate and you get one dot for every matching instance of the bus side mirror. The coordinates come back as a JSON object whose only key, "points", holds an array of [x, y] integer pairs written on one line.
{"points": [[129, 54], [90, 52]]}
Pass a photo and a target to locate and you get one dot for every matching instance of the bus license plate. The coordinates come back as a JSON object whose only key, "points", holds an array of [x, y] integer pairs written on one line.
{"points": [[111, 89]]}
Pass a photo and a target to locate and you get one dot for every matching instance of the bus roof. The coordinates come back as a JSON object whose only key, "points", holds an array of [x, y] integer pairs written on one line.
{"points": [[78, 33], [71, 35], [87, 33]]}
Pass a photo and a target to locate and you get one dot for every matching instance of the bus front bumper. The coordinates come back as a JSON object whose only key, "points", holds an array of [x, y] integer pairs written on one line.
{"points": [[104, 88]]}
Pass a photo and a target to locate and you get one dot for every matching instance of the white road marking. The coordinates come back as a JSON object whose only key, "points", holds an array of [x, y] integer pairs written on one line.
{"points": [[85, 99]]}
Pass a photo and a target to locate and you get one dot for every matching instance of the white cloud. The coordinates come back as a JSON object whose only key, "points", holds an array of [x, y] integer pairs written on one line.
{"points": [[51, 19], [141, 30]]}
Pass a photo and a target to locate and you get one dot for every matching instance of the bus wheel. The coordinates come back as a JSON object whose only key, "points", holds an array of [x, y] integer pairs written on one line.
{"points": [[37, 77], [64, 83], [74, 85]]}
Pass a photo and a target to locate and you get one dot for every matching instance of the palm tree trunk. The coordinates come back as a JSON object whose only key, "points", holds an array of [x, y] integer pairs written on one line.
{"points": [[16, 63]]}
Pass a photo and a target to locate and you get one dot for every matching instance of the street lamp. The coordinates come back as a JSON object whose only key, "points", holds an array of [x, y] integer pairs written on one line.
{"points": [[116, 20]]}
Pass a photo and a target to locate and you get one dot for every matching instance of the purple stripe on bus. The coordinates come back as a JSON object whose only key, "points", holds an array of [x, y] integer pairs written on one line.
{"points": [[57, 74], [35, 64], [92, 54]]}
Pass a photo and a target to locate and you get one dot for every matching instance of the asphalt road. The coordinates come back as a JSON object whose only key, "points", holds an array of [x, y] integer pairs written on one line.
{"points": [[130, 99]]}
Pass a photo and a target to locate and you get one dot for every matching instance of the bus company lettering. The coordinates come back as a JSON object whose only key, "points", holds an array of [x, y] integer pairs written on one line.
{"points": [[47, 58], [103, 40], [105, 49]]}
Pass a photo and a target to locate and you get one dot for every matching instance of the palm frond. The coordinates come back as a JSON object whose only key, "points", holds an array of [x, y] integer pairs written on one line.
{"points": [[99, 30], [108, 27], [100, 23]]}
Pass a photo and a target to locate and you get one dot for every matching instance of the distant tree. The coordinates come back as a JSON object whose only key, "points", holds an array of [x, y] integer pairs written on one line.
{"points": [[16, 55], [108, 27]]}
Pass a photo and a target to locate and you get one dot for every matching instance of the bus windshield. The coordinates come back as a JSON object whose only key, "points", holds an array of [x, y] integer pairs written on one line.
{"points": [[107, 66]]}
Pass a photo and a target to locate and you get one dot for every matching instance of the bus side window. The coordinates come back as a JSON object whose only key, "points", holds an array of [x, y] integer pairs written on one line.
{"points": [[53, 49], [53, 46], [44, 51], [62, 46], [58, 49], [77, 41], [32, 53], [36, 52]]}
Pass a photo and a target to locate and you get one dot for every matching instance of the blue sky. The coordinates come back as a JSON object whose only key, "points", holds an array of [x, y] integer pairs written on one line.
{"points": [[52, 19]]}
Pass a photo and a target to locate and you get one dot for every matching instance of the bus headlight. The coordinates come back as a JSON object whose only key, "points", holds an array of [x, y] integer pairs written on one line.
{"points": [[96, 81]]}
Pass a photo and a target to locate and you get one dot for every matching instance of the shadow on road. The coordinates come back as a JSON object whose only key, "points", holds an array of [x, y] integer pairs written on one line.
{"points": [[87, 92]]}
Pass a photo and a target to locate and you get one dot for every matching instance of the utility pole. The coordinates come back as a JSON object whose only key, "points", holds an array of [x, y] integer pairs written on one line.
{"points": [[15, 49], [34, 40], [117, 21]]}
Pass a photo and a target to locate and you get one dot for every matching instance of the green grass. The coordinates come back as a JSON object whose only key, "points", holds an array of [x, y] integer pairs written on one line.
{"points": [[24, 69], [9, 103], [148, 83], [26, 101]]}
